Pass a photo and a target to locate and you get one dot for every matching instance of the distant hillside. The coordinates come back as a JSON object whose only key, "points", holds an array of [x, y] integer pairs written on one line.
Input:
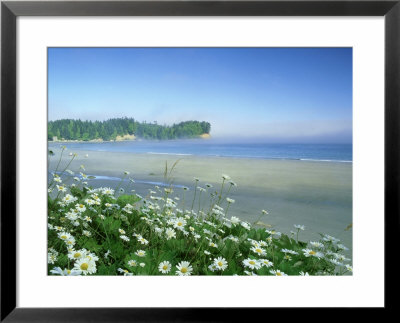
{"points": [[114, 129]]}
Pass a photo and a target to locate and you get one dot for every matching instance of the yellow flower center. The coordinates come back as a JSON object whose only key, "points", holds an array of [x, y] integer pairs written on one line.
{"points": [[68, 271], [165, 267], [278, 274], [220, 263], [258, 250], [63, 237], [184, 270], [179, 223], [251, 262], [81, 206], [84, 266], [77, 255], [312, 252]]}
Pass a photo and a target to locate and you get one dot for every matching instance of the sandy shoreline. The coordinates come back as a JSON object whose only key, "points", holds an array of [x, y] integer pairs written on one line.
{"points": [[315, 194]]}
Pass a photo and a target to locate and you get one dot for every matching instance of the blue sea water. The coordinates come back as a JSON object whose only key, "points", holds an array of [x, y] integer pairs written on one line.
{"points": [[214, 147]]}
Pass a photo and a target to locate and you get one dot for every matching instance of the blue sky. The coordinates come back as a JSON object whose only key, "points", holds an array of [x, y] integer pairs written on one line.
{"points": [[274, 94]]}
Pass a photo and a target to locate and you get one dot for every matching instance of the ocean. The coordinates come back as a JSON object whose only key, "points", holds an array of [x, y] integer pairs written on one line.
{"points": [[219, 148]]}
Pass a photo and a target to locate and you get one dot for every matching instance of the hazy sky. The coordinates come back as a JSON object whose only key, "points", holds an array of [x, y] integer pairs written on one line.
{"points": [[276, 94]]}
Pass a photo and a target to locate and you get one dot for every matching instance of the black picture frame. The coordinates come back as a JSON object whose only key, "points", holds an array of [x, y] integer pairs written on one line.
{"points": [[10, 10]]}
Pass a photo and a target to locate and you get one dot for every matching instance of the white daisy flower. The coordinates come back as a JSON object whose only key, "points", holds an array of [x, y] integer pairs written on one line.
{"points": [[90, 202], [140, 253], [179, 223], [220, 263], [125, 272], [266, 263], [300, 227], [336, 262], [259, 251], [164, 267], [61, 188], [132, 263], [184, 268], [250, 273], [65, 272], [312, 253], [51, 258], [86, 233], [65, 236], [142, 240], [72, 216], [77, 254], [85, 265], [125, 238], [108, 191], [212, 267], [329, 238], [233, 238], [170, 233], [57, 179], [80, 208], [87, 219], [67, 199], [251, 263], [277, 272]]}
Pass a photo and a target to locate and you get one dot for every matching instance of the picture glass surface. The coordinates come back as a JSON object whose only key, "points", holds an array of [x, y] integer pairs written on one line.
{"points": [[200, 161]]}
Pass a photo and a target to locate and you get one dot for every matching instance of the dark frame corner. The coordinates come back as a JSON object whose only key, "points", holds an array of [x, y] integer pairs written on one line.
{"points": [[10, 10]]}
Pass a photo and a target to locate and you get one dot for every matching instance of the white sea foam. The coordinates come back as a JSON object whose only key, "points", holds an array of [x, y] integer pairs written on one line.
{"points": [[175, 154]]}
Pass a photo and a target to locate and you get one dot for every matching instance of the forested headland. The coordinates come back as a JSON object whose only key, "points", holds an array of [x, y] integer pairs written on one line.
{"points": [[70, 129]]}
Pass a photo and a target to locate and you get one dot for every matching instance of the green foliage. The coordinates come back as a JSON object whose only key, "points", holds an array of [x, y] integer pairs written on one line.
{"points": [[69, 129]]}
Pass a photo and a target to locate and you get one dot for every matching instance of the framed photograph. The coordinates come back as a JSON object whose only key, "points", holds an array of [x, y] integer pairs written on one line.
{"points": [[232, 142]]}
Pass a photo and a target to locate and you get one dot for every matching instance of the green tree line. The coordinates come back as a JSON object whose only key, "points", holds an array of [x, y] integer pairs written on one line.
{"points": [[69, 129]]}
